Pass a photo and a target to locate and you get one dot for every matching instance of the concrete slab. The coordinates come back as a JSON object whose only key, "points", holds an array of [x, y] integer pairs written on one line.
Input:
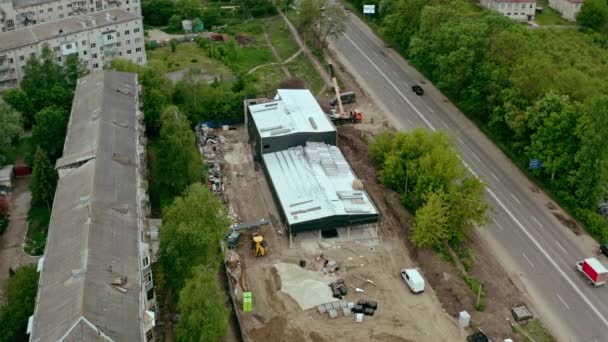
{"points": [[307, 288]]}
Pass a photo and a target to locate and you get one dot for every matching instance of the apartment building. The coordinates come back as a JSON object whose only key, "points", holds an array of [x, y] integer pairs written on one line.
{"points": [[514, 9], [567, 8], [95, 276], [96, 38], [17, 14]]}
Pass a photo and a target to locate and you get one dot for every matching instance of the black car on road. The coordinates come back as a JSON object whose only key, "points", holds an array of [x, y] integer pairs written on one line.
{"points": [[417, 89]]}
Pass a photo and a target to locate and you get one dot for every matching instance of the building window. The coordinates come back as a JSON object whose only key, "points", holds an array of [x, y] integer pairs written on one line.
{"points": [[139, 59], [92, 45], [137, 40], [531, 5], [58, 59], [523, 6], [50, 9], [138, 49], [148, 277], [128, 52], [40, 11], [84, 53], [11, 61], [95, 65], [86, 62], [68, 46], [84, 43], [21, 58], [61, 16], [94, 55], [59, 8], [135, 30], [146, 261], [126, 32], [150, 335], [109, 37], [32, 54], [56, 49], [150, 294], [128, 42]]}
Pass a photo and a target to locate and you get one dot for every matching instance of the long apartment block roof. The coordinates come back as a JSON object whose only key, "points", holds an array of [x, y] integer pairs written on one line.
{"points": [[59, 28], [315, 182], [292, 111], [90, 284]]}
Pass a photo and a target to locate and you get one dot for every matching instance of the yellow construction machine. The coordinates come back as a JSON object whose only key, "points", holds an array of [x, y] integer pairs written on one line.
{"points": [[259, 245]]}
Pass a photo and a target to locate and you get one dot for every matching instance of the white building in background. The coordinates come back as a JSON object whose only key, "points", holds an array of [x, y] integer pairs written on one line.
{"points": [[17, 14], [567, 8], [96, 38], [514, 9]]}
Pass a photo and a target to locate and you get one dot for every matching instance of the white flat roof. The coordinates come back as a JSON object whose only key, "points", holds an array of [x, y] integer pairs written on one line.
{"points": [[315, 182], [292, 111]]}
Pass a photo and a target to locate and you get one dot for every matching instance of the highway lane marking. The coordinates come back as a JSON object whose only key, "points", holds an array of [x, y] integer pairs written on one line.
{"points": [[537, 222], [431, 109], [530, 262], [498, 224], [443, 122], [493, 175], [500, 203], [562, 300], [460, 140], [476, 157], [426, 121], [560, 246], [515, 198]]}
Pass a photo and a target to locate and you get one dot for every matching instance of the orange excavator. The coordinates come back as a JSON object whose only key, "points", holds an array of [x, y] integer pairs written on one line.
{"points": [[341, 116]]}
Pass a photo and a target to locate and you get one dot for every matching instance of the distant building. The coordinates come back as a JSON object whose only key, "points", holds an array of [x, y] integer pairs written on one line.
{"points": [[95, 276], [17, 14], [310, 180], [514, 9], [95, 38], [567, 8]]}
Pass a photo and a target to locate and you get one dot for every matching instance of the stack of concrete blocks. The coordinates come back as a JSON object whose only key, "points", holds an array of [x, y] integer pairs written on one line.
{"points": [[334, 308]]}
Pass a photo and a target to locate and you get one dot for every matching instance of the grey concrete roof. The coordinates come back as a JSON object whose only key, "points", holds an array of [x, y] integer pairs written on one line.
{"points": [[44, 31], [93, 235], [292, 111], [315, 182], [26, 3]]}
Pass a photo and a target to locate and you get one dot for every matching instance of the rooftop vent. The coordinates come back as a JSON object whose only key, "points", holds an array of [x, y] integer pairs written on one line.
{"points": [[123, 209], [312, 122]]}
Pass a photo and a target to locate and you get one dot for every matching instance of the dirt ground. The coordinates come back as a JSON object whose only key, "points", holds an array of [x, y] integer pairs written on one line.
{"points": [[11, 242], [401, 316]]}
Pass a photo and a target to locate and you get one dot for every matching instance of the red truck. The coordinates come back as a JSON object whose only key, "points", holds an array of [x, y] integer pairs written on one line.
{"points": [[593, 270]]}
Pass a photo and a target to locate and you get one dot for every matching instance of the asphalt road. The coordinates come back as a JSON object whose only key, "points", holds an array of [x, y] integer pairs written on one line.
{"points": [[528, 239]]}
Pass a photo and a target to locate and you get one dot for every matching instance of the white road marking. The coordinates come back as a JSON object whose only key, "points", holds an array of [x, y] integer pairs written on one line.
{"points": [[502, 205], [537, 222], [460, 140], [530, 262], [515, 198], [498, 224], [562, 300], [476, 157], [493, 175], [560, 246], [431, 109], [443, 122]]}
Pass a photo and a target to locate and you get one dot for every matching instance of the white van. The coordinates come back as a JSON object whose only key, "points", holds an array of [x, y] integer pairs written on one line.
{"points": [[413, 279]]}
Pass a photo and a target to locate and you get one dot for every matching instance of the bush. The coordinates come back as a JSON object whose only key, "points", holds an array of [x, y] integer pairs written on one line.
{"points": [[474, 285], [194, 60], [20, 297], [595, 224]]}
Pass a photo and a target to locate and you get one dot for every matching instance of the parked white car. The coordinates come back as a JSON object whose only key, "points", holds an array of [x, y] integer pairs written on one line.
{"points": [[413, 279]]}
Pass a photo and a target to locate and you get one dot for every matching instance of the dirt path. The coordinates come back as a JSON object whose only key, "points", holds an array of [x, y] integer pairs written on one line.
{"points": [[276, 55], [11, 242]]}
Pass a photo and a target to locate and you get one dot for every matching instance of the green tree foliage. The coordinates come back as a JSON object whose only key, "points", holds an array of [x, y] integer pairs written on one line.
{"points": [[594, 15], [18, 99], [157, 12], [73, 69], [201, 305], [46, 84], [175, 23], [260, 8], [10, 128], [192, 228], [20, 297], [424, 168], [318, 21], [44, 180], [49, 131], [180, 162], [188, 9]]}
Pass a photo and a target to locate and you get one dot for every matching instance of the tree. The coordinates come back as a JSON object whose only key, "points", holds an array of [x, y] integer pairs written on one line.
{"points": [[175, 23], [201, 305], [193, 226], [157, 12], [188, 9], [319, 21], [180, 162], [20, 297], [73, 69], [49, 131], [10, 128], [429, 229], [593, 15], [44, 180], [19, 100]]}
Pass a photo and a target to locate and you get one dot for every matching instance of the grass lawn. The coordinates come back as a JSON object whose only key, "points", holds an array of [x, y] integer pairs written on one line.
{"points": [[38, 217], [254, 54], [188, 55], [549, 16], [268, 77], [302, 68], [534, 331], [280, 37]]}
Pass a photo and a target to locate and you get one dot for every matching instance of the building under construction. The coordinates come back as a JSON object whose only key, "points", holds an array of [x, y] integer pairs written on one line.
{"points": [[311, 181]]}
